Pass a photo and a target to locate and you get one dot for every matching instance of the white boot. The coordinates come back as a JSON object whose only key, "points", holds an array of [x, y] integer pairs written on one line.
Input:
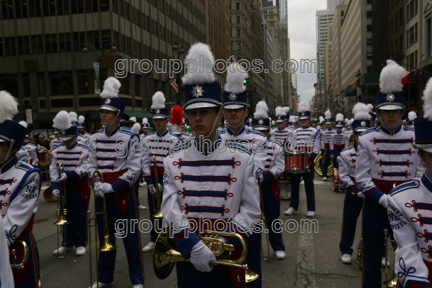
{"points": [[149, 247], [80, 251], [101, 285], [280, 255], [62, 250], [290, 211], [346, 259]]}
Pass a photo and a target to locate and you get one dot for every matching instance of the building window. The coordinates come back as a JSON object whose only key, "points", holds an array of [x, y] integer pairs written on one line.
{"points": [[342, 13], [368, 42], [61, 83], [368, 14], [237, 5], [238, 19], [369, 55], [238, 33], [238, 47], [369, 28], [428, 37]]}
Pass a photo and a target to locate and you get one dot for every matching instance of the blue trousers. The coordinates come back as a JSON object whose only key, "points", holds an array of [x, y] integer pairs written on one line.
{"points": [[309, 187], [336, 154], [352, 209], [131, 241], [271, 213], [326, 162], [253, 258], [374, 222], [189, 277], [76, 230], [27, 277]]}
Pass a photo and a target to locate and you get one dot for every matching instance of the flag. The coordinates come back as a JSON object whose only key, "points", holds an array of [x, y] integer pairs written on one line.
{"points": [[405, 79], [174, 85], [330, 88]]}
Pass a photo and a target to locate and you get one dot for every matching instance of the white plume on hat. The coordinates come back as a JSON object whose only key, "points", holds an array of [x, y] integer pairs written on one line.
{"points": [[279, 111], [23, 123], [327, 115], [273, 122], [145, 121], [202, 71], [427, 100], [370, 107], [8, 106], [158, 101], [286, 110], [321, 119], [339, 117], [73, 117], [291, 119], [81, 119], [111, 88], [391, 77], [303, 107], [136, 128], [261, 110], [62, 120], [133, 118], [361, 112], [412, 115], [236, 74]]}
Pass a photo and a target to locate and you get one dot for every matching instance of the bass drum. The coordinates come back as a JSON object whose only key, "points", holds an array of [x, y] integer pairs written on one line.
{"points": [[45, 158], [318, 169]]}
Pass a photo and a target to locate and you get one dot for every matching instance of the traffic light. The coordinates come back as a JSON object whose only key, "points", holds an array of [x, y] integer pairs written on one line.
{"points": [[315, 108], [245, 81]]}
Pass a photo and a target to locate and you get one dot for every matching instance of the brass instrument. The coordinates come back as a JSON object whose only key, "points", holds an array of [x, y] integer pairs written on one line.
{"points": [[318, 168], [157, 213], [107, 243], [44, 158], [265, 224], [352, 140], [392, 281], [47, 194], [61, 213], [13, 261], [359, 257], [165, 254]]}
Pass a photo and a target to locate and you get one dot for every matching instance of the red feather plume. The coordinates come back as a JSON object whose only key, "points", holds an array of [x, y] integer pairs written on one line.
{"points": [[177, 115]]}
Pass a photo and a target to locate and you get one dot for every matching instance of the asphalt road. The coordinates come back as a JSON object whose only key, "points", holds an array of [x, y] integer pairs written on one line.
{"points": [[313, 259]]}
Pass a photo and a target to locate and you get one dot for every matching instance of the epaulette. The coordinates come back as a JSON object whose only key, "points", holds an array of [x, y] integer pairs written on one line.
{"points": [[238, 146], [370, 130], [179, 146], [172, 134], [406, 128], [255, 132], [22, 148], [83, 145], [405, 186], [126, 131], [23, 166], [347, 148], [97, 131], [60, 145]]}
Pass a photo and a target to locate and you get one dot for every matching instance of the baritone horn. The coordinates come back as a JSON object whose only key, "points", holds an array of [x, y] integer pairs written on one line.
{"points": [[92, 222], [158, 199], [61, 212], [13, 255], [165, 254]]}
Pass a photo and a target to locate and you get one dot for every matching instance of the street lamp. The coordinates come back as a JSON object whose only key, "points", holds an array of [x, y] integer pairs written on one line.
{"points": [[99, 58], [178, 49]]}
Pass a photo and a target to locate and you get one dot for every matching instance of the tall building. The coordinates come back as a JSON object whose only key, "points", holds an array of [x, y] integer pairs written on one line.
{"points": [[331, 4], [283, 11], [323, 18], [218, 31], [43, 65], [268, 59], [396, 31]]}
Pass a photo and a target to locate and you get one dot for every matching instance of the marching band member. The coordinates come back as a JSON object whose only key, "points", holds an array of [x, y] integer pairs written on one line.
{"points": [[411, 116], [291, 123], [353, 202], [349, 130], [145, 127], [158, 144], [270, 191], [32, 150], [325, 145], [235, 111], [409, 210], [281, 134], [74, 156], [305, 138], [22, 154], [115, 152], [386, 158], [338, 141], [55, 142], [20, 186], [177, 122], [82, 129], [374, 118], [193, 190], [135, 129]]}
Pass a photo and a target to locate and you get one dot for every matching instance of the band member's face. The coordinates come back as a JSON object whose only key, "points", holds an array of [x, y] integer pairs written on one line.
{"points": [[390, 118], [324, 126], [146, 130], [202, 120], [81, 130], [160, 124], [107, 117], [329, 126], [304, 122], [70, 142], [235, 117], [281, 125], [339, 129]]}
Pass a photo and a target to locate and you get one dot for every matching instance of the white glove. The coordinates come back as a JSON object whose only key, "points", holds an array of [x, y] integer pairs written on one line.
{"points": [[360, 195], [161, 188], [63, 177], [56, 193], [384, 201], [152, 189], [103, 188], [201, 256]]}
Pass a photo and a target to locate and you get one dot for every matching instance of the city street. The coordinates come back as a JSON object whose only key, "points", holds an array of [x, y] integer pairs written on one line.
{"points": [[313, 259]]}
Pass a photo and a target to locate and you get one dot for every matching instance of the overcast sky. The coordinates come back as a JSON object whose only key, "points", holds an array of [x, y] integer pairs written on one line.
{"points": [[302, 33]]}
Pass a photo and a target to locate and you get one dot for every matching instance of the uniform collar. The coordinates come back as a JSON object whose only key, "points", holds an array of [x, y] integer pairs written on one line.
{"points": [[113, 131], [305, 127], [8, 164], [209, 148], [395, 131], [427, 181], [231, 132], [163, 134], [73, 146]]}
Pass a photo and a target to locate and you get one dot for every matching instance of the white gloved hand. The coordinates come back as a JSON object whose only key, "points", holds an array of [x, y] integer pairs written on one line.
{"points": [[103, 188], [152, 189], [200, 257], [56, 193], [360, 195], [62, 177], [384, 201], [161, 188]]}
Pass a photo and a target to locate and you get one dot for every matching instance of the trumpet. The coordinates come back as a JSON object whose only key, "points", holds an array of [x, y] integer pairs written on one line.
{"points": [[265, 223], [61, 212], [92, 222], [165, 254], [13, 255], [156, 202]]}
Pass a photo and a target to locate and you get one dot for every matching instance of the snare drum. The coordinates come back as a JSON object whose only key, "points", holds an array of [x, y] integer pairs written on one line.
{"points": [[296, 162], [337, 182]]}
